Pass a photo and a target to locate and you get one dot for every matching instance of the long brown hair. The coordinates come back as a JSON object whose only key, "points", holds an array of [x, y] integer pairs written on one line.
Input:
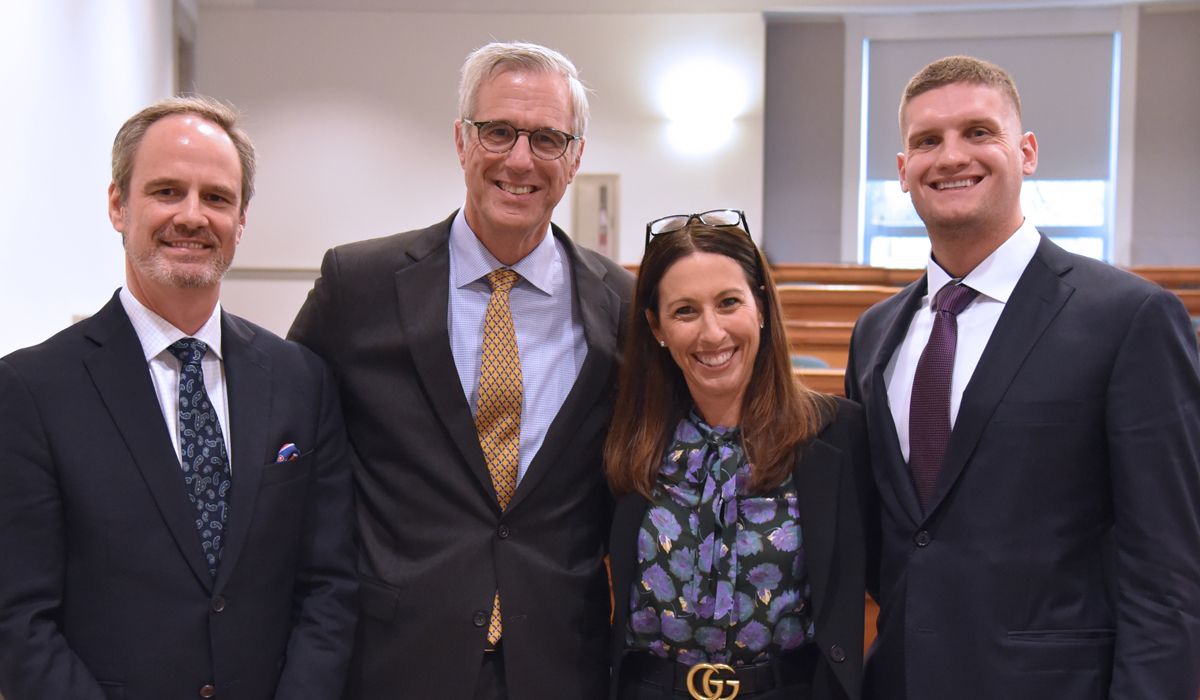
{"points": [[778, 412]]}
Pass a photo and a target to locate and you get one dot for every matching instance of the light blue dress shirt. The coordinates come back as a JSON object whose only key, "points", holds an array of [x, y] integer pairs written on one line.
{"points": [[550, 336]]}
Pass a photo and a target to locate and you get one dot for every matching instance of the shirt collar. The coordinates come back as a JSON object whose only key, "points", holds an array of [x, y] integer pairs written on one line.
{"points": [[999, 272], [157, 334], [471, 260]]}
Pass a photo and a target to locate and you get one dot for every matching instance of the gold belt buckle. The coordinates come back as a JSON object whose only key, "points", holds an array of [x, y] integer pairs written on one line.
{"points": [[708, 688]]}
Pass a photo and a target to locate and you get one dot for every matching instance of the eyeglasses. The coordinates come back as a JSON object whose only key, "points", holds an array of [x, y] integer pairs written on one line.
{"points": [[714, 217], [501, 137]]}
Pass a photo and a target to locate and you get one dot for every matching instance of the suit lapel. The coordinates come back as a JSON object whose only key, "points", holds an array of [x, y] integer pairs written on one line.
{"points": [[600, 312], [623, 558], [119, 371], [1037, 298], [815, 475], [248, 384], [423, 288], [879, 413]]}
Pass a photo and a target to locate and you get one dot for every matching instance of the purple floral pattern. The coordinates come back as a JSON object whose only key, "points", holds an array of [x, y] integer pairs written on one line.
{"points": [[721, 574]]}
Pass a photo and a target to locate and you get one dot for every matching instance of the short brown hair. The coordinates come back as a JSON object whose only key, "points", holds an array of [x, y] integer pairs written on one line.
{"points": [[778, 413], [129, 138], [960, 69]]}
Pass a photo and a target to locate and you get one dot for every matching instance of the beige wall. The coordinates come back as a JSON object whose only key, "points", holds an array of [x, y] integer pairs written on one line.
{"points": [[71, 72], [353, 112], [1166, 146], [802, 186], [1166, 190]]}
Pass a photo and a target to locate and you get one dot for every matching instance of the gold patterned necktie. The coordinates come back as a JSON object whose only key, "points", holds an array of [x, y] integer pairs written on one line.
{"points": [[498, 415]]}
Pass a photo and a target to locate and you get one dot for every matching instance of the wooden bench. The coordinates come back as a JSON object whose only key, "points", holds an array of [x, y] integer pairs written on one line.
{"points": [[834, 273], [827, 340], [1173, 278], [826, 381], [829, 302], [1190, 299]]}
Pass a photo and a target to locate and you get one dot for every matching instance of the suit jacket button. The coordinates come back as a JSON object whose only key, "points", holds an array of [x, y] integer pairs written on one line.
{"points": [[503, 531], [208, 691], [480, 619], [837, 653], [922, 538], [218, 604]]}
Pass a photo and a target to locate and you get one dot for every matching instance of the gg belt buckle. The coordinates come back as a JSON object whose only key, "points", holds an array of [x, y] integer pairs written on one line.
{"points": [[710, 689]]}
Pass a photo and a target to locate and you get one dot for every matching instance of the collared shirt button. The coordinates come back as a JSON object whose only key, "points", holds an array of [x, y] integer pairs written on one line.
{"points": [[208, 691], [218, 604], [837, 653], [480, 619], [503, 531], [922, 538]]}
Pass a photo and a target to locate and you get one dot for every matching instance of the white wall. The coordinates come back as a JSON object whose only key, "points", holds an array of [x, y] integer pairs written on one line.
{"points": [[71, 72], [353, 113], [1166, 210]]}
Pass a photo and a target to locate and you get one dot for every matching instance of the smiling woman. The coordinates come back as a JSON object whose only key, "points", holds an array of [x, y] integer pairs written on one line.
{"points": [[725, 467]]}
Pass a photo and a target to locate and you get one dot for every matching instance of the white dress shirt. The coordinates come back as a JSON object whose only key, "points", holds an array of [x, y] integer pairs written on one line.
{"points": [[550, 338], [156, 335], [994, 279]]}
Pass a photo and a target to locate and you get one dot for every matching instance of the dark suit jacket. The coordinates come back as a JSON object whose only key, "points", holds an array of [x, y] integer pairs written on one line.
{"points": [[435, 544], [104, 592], [834, 487], [1060, 555]]}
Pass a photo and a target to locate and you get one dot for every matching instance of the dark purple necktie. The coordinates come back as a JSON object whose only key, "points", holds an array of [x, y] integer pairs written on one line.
{"points": [[929, 411]]}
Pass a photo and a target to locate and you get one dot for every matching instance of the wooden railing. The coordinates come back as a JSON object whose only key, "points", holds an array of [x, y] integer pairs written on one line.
{"points": [[821, 303]]}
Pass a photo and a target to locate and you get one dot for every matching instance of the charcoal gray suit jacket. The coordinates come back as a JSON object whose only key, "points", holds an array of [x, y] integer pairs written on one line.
{"points": [[435, 544]]}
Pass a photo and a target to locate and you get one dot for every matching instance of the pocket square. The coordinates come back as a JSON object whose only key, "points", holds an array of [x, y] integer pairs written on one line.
{"points": [[287, 452]]}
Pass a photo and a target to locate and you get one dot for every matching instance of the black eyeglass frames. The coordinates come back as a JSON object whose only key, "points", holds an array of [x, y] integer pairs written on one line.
{"points": [[501, 137], [713, 217]]}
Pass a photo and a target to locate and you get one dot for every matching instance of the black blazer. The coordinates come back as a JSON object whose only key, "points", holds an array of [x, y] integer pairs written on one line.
{"points": [[435, 544], [1059, 558], [835, 492], [104, 592]]}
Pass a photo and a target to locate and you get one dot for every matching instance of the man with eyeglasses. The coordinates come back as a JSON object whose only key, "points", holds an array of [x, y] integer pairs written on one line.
{"points": [[476, 360]]}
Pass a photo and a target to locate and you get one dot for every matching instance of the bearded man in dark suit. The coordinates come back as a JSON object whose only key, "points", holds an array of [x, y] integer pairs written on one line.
{"points": [[175, 495], [476, 361], [1035, 434]]}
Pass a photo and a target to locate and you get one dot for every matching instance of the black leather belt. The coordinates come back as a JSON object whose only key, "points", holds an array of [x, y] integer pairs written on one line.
{"points": [[791, 669]]}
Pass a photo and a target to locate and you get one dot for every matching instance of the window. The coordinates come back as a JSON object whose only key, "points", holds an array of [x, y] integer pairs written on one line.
{"points": [[1069, 79]]}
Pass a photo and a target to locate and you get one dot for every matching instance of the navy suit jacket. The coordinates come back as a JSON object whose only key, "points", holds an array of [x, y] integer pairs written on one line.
{"points": [[1059, 557], [435, 544], [104, 592]]}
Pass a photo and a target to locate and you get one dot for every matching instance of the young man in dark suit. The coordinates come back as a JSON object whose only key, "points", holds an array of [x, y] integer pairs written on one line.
{"points": [[175, 499], [1034, 420], [476, 361]]}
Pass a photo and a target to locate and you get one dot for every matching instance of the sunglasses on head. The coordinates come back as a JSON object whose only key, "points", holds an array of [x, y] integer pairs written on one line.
{"points": [[714, 217]]}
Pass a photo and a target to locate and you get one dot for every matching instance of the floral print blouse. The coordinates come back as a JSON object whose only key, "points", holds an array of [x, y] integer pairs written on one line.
{"points": [[721, 575]]}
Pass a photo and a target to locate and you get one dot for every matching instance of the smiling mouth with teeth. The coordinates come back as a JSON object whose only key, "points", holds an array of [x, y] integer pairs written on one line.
{"points": [[956, 185], [513, 189], [715, 360]]}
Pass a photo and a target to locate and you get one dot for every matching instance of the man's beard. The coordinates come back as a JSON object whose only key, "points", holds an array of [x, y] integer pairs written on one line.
{"points": [[154, 265]]}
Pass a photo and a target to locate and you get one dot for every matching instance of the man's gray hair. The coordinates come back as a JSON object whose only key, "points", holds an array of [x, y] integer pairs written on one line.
{"points": [[485, 61]]}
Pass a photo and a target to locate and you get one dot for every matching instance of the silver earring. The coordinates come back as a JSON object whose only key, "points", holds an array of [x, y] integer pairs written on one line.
{"points": [[663, 343], [760, 324]]}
